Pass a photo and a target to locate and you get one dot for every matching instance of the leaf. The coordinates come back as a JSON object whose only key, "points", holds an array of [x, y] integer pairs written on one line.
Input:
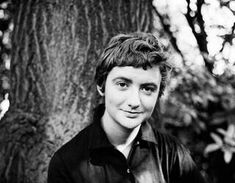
{"points": [[211, 148], [229, 141], [231, 130], [222, 131], [217, 139], [218, 120], [187, 119], [228, 156]]}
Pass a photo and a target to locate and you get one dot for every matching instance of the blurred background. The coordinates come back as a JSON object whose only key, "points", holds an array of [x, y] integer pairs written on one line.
{"points": [[48, 52]]}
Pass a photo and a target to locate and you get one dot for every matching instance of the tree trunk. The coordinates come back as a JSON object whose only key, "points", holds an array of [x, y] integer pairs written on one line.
{"points": [[55, 46]]}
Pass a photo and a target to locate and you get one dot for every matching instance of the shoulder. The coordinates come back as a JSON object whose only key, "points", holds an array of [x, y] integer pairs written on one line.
{"points": [[176, 157], [171, 148], [69, 157], [169, 141], [75, 149]]}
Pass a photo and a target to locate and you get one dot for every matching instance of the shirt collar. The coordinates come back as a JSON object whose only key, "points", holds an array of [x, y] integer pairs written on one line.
{"points": [[97, 138], [147, 133]]}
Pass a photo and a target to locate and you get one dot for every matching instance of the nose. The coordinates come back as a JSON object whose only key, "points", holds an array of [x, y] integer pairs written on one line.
{"points": [[134, 99]]}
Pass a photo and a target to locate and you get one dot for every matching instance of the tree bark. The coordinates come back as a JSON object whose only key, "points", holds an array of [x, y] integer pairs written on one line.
{"points": [[55, 46]]}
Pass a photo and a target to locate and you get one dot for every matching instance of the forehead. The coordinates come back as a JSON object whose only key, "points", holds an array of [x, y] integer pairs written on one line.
{"points": [[136, 74]]}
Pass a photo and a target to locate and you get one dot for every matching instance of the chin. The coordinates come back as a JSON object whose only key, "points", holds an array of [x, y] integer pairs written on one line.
{"points": [[131, 124]]}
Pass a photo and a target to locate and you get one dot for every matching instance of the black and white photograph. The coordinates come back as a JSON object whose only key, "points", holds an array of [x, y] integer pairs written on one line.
{"points": [[117, 91]]}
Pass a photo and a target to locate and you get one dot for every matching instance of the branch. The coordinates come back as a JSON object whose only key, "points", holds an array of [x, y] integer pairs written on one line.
{"points": [[201, 37], [167, 30], [228, 38]]}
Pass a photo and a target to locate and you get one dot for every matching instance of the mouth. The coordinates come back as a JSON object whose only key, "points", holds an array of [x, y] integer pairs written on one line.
{"points": [[132, 112]]}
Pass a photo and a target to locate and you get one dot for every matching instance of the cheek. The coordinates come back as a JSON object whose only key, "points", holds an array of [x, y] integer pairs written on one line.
{"points": [[112, 97], [149, 104], [151, 101]]}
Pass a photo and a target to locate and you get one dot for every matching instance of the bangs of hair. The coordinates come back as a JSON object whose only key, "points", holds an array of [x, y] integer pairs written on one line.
{"points": [[132, 52]]}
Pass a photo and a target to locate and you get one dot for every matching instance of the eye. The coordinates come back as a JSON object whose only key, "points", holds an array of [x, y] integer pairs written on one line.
{"points": [[148, 90], [122, 85]]}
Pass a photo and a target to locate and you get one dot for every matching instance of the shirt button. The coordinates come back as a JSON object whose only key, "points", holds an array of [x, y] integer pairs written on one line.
{"points": [[128, 170], [138, 143]]}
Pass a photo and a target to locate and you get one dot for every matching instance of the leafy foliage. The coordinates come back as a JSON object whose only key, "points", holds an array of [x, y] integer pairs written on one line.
{"points": [[226, 144], [196, 108], [199, 107]]}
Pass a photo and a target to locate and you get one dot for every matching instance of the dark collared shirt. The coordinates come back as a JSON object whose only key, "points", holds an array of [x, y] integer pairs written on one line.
{"points": [[154, 158]]}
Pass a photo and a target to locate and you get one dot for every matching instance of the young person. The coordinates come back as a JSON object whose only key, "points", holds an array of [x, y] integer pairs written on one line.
{"points": [[120, 145]]}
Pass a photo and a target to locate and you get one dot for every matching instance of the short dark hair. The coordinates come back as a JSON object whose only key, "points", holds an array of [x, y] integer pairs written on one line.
{"points": [[135, 49]]}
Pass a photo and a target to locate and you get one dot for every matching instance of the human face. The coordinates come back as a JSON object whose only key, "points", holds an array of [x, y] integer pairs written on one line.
{"points": [[130, 96]]}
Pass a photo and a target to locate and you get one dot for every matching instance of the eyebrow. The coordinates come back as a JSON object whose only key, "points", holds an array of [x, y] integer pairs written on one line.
{"points": [[122, 78], [150, 83]]}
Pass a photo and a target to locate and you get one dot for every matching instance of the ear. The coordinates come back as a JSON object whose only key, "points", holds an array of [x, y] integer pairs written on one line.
{"points": [[100, 90]]}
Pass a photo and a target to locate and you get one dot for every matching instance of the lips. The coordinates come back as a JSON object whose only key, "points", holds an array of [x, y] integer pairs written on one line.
{"points": [[132, 114]]}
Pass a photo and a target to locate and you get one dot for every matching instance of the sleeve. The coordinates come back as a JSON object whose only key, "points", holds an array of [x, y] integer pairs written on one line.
{"points": [[185, 169], [57, 172]]}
